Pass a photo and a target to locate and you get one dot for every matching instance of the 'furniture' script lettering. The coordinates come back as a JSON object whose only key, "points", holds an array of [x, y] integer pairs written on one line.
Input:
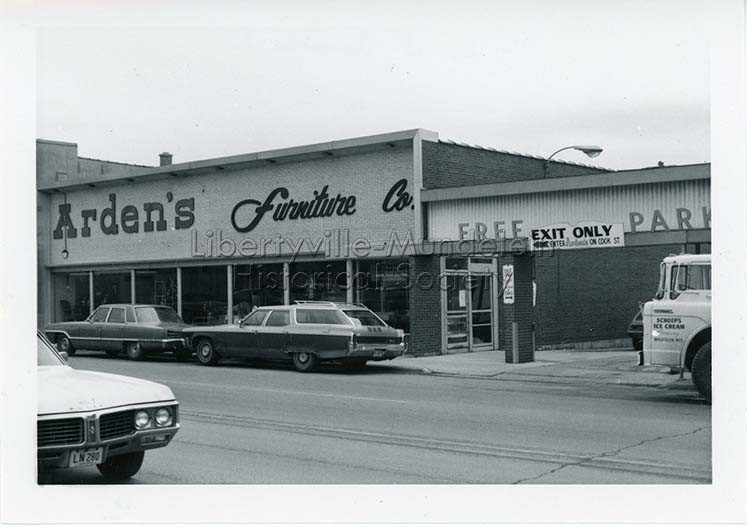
{"points": [[320, 206]]}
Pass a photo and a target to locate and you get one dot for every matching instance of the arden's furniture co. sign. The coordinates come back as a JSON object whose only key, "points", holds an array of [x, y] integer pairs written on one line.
{"points": [[321, 205]]}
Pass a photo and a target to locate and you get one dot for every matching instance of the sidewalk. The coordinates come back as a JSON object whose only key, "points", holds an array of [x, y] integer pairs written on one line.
{"points": [[562, 366]]}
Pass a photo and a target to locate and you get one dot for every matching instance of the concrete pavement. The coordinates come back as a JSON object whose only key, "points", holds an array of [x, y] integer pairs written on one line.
{"points": [[619, 366], [265, 423]]}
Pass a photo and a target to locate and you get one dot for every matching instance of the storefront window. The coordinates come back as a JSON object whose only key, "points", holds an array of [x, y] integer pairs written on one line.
{"points": [[318, 281], [204, 295], [112, 288], [157, 286], [383, 286], [71, 296], [255, 286]]}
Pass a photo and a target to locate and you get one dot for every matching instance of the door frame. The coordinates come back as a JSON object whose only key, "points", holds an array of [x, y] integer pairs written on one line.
{"points": [[492, 271]]}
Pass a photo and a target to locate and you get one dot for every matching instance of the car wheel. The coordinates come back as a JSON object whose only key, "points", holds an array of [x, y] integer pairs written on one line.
{"points": [[637, 343], [64, 345], [122, 466], [182, 355], [134, 351], [304, 361], [701, 370], [206, 353]]}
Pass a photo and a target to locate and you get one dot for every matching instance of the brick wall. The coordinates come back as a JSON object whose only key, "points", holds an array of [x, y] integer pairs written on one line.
{"points": [[425, 307], [447, 165], [587, 295]]}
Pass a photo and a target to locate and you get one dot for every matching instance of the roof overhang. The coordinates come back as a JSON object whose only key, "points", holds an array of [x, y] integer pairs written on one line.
{"points": [[613, 179], [252, 160]]}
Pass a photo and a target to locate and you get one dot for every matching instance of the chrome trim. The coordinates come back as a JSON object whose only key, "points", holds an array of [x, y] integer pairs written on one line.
{"points": [[92, 418]]}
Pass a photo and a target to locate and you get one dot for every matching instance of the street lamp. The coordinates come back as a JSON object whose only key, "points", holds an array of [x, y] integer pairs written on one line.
{"points": [[589, 150]]}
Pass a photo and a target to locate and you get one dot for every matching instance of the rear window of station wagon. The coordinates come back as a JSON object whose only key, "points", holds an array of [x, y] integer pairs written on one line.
{"points": [[320, 316], [366, 318]]}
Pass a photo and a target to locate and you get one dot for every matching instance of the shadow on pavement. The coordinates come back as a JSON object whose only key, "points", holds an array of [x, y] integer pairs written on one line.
{"points": [[372, 368]]}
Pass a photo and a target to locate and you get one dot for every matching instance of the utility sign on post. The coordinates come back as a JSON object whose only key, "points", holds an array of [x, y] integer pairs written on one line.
{"points": [[508, 284]]}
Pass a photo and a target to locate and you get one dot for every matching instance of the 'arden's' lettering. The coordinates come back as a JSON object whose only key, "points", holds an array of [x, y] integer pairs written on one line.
{"points": [[109, 220]]}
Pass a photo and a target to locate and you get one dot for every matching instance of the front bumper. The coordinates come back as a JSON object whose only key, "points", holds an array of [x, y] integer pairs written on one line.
{"points": [[58, 456]]}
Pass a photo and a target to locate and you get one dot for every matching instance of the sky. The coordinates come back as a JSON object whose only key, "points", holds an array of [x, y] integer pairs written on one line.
{"points": [[531, 77]]}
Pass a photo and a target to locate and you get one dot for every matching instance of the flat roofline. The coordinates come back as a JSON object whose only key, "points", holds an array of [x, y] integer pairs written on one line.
{"points": [[246, 160], [50, 142], [556, 184]]}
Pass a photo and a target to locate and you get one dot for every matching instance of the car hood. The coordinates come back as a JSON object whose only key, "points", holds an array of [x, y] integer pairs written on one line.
{"points": [[63, 389]]}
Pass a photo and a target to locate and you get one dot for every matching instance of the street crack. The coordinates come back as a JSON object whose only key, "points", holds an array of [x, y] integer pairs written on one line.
{"points": [[607, 454]]}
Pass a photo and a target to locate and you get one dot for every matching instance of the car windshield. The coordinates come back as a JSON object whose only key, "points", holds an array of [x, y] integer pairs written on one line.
{"points": [[156, 314], [367, 318], [321, 316], [45, 355]]}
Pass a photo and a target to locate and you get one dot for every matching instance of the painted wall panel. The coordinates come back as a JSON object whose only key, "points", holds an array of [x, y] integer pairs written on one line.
{"points": [[640, 208]]}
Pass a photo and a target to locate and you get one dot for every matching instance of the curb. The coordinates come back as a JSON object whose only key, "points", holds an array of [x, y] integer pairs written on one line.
{"points": [[546, 379]]}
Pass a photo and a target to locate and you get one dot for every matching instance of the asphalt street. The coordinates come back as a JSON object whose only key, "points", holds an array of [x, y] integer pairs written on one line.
{"points": [[266, 423]]}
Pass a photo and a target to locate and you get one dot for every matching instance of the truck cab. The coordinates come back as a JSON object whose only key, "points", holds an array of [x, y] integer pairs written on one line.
{"points": [[677, 321]]}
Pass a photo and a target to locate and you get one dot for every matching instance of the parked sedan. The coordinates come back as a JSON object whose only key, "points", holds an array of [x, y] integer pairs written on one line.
{"points": [[92, 418], [136, 329], [308, 333]]}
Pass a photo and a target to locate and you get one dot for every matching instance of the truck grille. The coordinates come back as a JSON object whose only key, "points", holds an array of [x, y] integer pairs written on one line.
{"points": [[59, 432], [117, 424]]}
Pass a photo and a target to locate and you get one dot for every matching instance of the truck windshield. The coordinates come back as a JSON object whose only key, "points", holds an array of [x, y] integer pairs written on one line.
{"points": [[662, 281]]}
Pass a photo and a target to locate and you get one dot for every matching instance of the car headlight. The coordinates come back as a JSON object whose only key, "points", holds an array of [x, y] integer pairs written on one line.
{"points": [[142, 419], [163, 417]]}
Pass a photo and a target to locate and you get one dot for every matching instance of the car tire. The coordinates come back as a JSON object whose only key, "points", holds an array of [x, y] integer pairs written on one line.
{"points": [[134, 351], [637, 343], [305, 361], [206, 354], [701, 371], [182, 355], [64, 345], [122, 466]]}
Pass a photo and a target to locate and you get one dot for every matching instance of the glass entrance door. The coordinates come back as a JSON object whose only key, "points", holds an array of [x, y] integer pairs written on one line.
{"points": [[457, 316], [481, 329], [469, 313]]}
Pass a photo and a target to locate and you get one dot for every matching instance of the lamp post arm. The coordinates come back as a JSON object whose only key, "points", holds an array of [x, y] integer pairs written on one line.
{"points": [[547, 161], [557, 152]]}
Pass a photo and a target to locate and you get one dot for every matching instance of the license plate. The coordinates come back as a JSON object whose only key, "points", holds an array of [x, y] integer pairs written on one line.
{"points": [[379, 353], [86, 456]]}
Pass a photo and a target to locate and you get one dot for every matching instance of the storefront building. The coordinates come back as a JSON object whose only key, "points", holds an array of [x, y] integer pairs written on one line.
{"points": [[397, 222]]}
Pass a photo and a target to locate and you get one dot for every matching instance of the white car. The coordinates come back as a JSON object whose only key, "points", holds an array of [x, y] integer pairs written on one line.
{"points": [[92, 418]]}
